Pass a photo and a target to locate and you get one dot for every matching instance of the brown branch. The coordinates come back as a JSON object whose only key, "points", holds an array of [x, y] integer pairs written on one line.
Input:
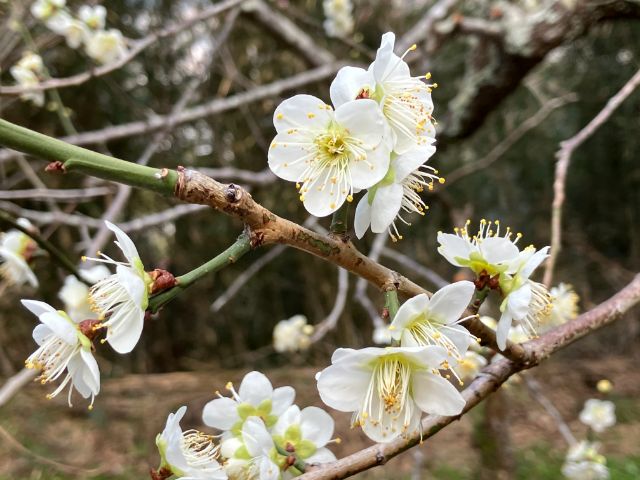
{"points": [[138, 47], [488, 381], [562, 166]]}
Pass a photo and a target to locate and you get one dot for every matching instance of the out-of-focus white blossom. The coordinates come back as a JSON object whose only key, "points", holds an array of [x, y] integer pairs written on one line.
{"points": [[468, 367], [75, 294], [292, 335], [93, 16], [598, 414], [106, 46], [339, 17], [73, 30], [45, 9], [382, 335], [16, 249], [564, 305], [27, 74], [583, 462]]}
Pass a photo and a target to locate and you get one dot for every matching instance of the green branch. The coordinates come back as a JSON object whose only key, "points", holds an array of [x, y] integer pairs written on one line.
{"points": [[391, 303], [78, 159], [241, 246], [56, 255], [339, 224]]}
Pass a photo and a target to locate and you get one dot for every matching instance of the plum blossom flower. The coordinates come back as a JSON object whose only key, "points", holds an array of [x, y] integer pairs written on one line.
{"points": [[422, 321], [255, 397], [189, 455], [16, 249], [388, 388], [564, 304], [583, 462], [525, 301], [396, 193], [73, 30], [93, 16], [404, 100], [292, 335], [382, 334], [62, 347], [339, 17], [252, 455], [305, 433], [121, 299], [485, 251], [75, 294], [598, 414], [45, 9], [106, 46], [468, 367], [328, 154], [26, 73]]}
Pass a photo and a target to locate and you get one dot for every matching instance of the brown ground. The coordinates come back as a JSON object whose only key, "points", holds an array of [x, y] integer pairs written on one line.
{"points": [[117, 438]]}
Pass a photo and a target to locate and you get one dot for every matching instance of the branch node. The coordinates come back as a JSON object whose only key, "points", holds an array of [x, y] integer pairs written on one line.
{"points": [[55, 167], [233, 193]]}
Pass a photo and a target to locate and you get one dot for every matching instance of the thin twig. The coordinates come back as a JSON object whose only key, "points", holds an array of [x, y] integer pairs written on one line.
{"points": [[70, 194], [331, 320], [15, 383], [562, 166]]}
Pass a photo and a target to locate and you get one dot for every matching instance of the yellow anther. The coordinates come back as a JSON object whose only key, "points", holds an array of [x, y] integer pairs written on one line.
{"points": [[229, 386], [279, 116], [349, 198], [311, 115]]}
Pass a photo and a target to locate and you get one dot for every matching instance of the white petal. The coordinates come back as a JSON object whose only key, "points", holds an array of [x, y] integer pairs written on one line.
{"points": [[408, 162], [342, 353], [282, 398], [288, 156], [255, 388], [40, 333], [87, 374], [407, 312], [364, 121], [348, 84], [134, 285], [518, 301], [302, 111], [448, 303], [126, 337], [76, 368], [61, 326], [317, 426], [387, 64], [124, 242], [435, 395], [366, 173], [322, 455], [452, 247], [268, 469], [221, 413], [385, 207], [459, 336], [37, 307], [430, 356], [533, 263], [291, 416], [323, 202], [256, 438], [390, 426], [362, 217], [502, 331], [496, 250], [343, 388]]}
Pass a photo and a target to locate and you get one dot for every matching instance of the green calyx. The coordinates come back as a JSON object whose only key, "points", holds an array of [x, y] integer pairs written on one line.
{"points": [[246, 410], [388, 179], [292, 438]]}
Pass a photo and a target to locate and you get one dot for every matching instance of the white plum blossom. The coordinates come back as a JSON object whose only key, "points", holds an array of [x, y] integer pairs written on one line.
{"points": [[45, 9], [62, 347], [404, 100], [339, 17], [388, 388], [27, 74], [468, 367], [305, 433], [16, 249], [382, 334], [255, 397], [564, 304], [121, 299], [583, 462], [525, 301], [106, 46], [73, 30], [252, 455], [329, 155], [485, 251], [292, 335], [93, 16], [396, 193], [75, 294], [422, 321], [189, 455], [598, 414]]}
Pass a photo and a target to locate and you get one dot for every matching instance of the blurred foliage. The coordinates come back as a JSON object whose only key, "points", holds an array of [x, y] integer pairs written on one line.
{"points": [[602, 210]]}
